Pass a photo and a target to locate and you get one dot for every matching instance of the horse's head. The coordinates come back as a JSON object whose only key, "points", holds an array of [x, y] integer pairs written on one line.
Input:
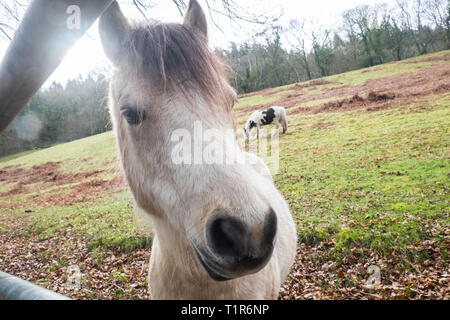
{"points": [[167, 81]]}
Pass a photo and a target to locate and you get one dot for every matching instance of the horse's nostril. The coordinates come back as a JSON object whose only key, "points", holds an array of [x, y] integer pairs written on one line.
{"points": [[227, 236], [237, 248], [270, 228], [234, 241]]}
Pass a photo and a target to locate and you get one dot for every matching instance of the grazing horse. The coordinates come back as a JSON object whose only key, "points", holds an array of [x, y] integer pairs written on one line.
{"points": [[220, 231], [273, 115]]}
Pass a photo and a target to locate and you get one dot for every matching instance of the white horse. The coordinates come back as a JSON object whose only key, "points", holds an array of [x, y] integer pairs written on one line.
{"points": [[273, 115], [220, 231]]}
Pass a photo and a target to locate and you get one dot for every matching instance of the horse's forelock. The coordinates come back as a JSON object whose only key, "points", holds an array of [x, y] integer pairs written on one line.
{"points": [[173, 57]]}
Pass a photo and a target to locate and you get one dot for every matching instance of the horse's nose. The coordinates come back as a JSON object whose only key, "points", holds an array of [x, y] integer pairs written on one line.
{"points": [[239, 245]]}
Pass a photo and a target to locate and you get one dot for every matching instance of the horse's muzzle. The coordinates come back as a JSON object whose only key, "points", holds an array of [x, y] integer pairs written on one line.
{"points": [[234, 248]]}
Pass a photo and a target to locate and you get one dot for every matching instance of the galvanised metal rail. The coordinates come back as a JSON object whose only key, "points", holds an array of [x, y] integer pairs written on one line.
{"points": [[13, 288]]}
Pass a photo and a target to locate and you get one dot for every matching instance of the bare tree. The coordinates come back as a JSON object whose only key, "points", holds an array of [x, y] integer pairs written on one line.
{"points": [[357, 23], [412, 13], [12, 10], [368, 23], [396, 37], [297, 30], [438, 12], [322, 50]]}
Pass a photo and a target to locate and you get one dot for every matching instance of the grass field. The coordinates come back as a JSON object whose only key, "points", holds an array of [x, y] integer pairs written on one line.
{"points": [[364, 166]]}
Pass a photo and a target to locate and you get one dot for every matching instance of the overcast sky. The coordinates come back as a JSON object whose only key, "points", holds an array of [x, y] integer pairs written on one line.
{"points": [[87, 54]]}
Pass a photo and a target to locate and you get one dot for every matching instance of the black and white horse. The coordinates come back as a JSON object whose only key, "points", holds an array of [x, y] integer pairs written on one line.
{"points": [[274, 115]]}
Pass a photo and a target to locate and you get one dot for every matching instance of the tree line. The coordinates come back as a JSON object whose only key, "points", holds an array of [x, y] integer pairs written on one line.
{"points": [[367, 36], [59, 114]]}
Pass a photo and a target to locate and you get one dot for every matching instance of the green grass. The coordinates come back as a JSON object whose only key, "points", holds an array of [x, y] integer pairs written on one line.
{"points": [[260, 99], [15, 156], [358, 77], [320, 101], [105, 222], [92, 153], [376, 180]]}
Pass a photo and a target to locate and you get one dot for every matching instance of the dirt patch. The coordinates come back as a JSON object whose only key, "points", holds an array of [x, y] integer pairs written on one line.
{"points": [[48, 175], [354, 102], [371, 70], [297, 87], [375, 97], [80, 192], [28, 176], [311, 84], [392, 173], [47, 172], [356, 98]]}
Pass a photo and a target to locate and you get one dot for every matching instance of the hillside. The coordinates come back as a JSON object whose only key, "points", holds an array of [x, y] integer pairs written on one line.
{"points": [[364, 166]]}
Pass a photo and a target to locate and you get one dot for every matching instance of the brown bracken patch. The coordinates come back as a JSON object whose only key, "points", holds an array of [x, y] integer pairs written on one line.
{"points": [[314, 83], [42, 179], [371, 70], [297, 87], [375, 97], [354, 102], [372, 95], [80, 192]]}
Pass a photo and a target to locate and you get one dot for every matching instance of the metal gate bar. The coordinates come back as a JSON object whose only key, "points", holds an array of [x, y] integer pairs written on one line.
{"points": [[13, 288]]}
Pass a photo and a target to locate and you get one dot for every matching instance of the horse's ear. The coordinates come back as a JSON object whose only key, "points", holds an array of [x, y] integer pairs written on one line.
{"points": [[114, 29], [195, 19]]}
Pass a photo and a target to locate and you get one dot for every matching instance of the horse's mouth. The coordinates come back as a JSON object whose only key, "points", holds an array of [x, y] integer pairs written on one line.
{"points": [[214, 269], [222, 271]]}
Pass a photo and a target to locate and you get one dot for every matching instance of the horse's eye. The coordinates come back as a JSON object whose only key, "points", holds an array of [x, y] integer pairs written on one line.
{"points": [[132, 115]]}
